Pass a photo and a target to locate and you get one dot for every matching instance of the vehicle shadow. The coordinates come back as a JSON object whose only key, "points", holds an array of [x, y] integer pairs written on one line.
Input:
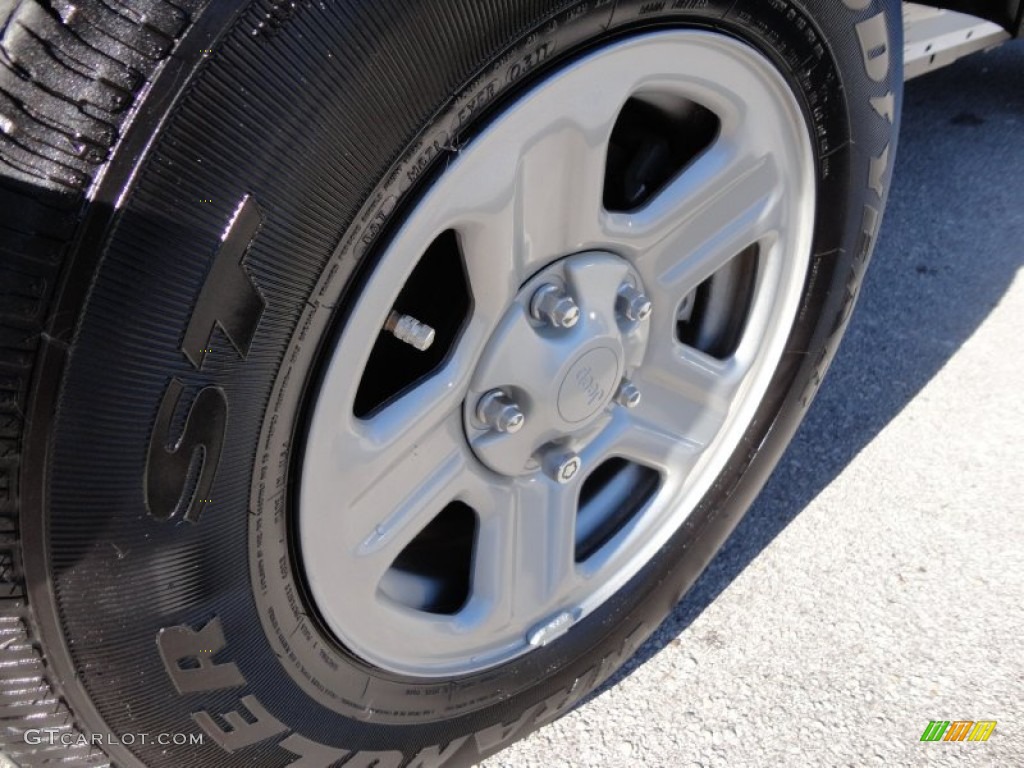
{"points": [[949, 249]]}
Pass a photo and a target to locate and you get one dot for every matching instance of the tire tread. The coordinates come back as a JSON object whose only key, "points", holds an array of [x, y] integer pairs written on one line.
{"points": [[70, 72]]}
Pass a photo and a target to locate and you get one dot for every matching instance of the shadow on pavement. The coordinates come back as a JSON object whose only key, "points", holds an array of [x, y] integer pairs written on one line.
{"points": [[950, 248]]}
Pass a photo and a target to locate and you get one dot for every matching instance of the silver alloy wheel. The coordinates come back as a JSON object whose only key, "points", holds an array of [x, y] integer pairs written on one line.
{"points": [[525, 200]]}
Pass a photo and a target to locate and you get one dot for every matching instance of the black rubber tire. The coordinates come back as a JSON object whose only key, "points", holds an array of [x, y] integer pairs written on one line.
{"points": [[130, 135]]}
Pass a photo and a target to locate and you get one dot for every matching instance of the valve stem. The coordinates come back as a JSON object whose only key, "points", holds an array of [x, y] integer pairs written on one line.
{"points": [[410, 330]]}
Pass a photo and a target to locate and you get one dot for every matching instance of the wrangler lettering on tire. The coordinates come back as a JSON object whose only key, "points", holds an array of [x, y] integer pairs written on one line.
{"points": [[248, 504]]}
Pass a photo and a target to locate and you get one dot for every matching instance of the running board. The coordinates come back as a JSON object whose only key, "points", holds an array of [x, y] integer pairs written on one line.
{"points": [[934, 38]]}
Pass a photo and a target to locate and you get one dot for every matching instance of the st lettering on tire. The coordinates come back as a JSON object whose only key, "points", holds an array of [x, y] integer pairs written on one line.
{"points": [[377, 376]]}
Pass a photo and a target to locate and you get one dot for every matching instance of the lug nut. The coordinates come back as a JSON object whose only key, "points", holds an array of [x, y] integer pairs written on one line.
{"points": [[410, 330], [628, 395], [562, 467], [500, 412], [632, 304], [554, 306]]}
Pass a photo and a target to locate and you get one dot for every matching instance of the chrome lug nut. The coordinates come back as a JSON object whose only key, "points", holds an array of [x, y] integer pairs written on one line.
{"points": [[554, 306], [500, 412], [562, 467], [628, 395], [632, 304]]}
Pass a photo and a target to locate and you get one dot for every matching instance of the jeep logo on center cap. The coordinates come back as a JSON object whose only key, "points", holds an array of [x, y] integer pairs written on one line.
{"points": [[588, 385]]}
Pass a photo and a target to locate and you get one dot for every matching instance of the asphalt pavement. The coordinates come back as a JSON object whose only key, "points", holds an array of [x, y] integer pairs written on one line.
{"points": [[878, 582]]}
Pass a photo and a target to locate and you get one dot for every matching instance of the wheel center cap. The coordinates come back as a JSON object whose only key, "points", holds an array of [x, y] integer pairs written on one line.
{"points": [[589, 385], [552, 375]]}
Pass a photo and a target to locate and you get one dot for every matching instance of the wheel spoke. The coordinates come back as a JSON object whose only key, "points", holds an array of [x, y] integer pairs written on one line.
{"points": [[405, 482], [489, 253], [541, 195], [547, 514], [641, 437], [688, 374], [538, 200], [686, 400], [401, 468], [724, 203], [560, 184], [525, 555]]}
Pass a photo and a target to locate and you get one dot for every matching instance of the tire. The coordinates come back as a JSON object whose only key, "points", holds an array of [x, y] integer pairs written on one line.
{"points": [[198, 203]]}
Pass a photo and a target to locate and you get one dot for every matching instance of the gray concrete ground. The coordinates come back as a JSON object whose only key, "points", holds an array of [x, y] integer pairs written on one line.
{"points": [[878, 582]]}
